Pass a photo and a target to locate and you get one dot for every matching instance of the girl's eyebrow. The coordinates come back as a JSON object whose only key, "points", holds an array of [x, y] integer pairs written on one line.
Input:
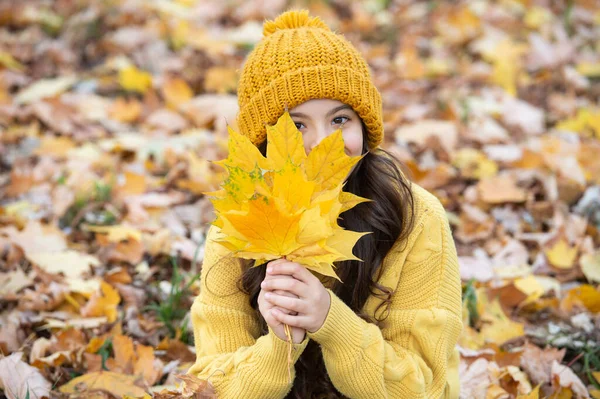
{"points": [[336, 109], [298, 115], [333, 111]]}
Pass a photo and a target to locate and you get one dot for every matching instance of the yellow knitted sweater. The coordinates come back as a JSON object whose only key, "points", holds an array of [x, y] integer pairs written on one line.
{"points": [[412, 355]]}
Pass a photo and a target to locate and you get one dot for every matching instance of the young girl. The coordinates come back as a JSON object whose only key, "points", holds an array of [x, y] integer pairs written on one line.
{"points": [[388, 331]]}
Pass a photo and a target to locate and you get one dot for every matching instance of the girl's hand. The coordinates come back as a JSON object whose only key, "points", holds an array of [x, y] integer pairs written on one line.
{"points": [[312, 300], [266, 308]]}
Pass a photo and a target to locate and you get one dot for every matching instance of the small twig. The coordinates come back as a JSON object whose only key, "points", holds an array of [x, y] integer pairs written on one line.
{"points": [[576, 358]]}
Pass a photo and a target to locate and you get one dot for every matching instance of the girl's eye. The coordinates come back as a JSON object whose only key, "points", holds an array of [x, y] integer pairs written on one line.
{"points": [[299, 125], [340, 120]]}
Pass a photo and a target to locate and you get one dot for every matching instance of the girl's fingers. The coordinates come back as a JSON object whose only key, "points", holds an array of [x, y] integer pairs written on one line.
{"points": [[284, 310], [280, 301], [285, 293], [292, 285], [293, 269], [293, 321], [276, 262]]}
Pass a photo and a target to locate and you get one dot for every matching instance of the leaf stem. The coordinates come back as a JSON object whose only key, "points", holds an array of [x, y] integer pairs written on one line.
{"points": [[288, 333]]}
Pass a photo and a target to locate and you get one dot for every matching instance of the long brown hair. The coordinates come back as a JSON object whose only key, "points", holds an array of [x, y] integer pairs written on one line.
{"points": [[389, 217]]}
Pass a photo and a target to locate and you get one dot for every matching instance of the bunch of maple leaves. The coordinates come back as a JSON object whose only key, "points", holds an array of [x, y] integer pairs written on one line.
{"points": [[286, 204], [110, 116]]}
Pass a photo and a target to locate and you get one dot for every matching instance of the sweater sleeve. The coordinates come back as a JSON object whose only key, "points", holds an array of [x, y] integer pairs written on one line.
{"points": [[412, 354], [230, 353]]}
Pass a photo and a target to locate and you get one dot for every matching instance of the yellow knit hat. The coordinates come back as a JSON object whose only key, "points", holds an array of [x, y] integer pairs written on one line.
{"points": [[299, 59]]}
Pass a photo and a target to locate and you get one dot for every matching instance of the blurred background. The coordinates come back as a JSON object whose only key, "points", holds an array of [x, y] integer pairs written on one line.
{"points": [[110, 112]]}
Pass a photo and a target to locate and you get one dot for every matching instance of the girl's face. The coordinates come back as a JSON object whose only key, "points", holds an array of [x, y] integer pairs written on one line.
{"points": [[318, 118]]}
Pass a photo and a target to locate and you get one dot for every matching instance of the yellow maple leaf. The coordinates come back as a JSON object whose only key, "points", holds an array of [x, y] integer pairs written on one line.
{"points": [[313, 228], [285, 142], [288, 203], [242, 153], [9, 62], [596, 375], [534, 394], [561, 254], [536, 17], [266, 227], [117, 384], [497, 326], [133, 79], [103, 303], [506, 60], [474, 164], [531, 287], [291, 185], [589, 69], [583, 296], [349, 200], [326, 164], [585, 122]]}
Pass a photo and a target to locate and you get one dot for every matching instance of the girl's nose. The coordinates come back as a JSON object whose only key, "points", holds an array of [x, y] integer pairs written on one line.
{"points": [[319, 134]]}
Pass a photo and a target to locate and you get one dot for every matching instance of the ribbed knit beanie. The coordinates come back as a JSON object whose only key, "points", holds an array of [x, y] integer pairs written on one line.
{"points": [[299, 58]]}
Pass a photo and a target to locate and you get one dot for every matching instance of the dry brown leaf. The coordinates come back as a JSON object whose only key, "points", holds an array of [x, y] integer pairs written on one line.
{"points": [[176, 91], [500, 189], [127, 110], [564, 377], [475, 379], [129, 250], [134, 184], [13, 282], [44, 88], [194, 385], [147, 365], [419, 132], [176, 350], [116, 233], [20, 380], [124, 355], [55, 146], [590, 266], [54, 239], [166, 120], [73, 264]]}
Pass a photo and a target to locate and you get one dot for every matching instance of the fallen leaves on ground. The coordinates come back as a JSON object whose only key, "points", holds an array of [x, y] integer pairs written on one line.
{"points": [[110, 116]]}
